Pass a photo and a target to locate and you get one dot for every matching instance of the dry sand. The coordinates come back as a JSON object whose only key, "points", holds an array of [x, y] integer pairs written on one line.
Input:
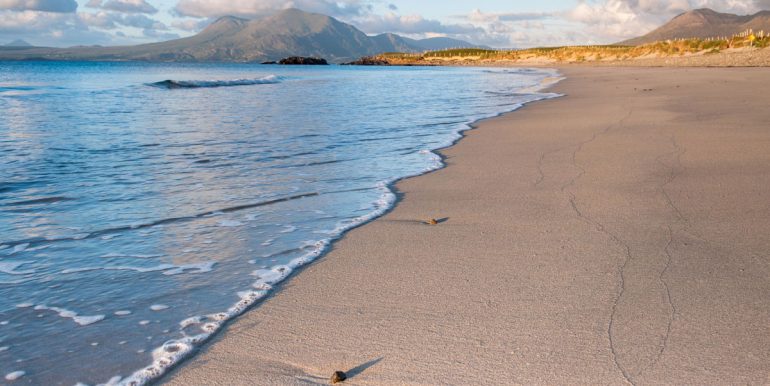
{"points": [[618, 234]]}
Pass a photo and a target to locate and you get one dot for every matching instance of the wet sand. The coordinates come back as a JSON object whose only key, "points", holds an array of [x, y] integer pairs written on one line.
{"points": [[616, 235]]}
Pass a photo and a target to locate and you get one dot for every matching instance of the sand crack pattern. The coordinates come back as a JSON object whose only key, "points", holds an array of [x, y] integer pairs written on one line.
{"points": [[636, 341]]}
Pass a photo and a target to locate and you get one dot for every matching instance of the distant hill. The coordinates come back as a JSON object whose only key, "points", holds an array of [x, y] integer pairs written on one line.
{"points": [[704, 23], [232, 39], [439, 43], [18, 43], [389, 42]]}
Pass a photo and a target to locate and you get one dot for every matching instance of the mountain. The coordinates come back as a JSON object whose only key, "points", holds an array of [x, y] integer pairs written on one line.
{"points": [[17, 43], [232, 39], [393, 43], [704, 23]]}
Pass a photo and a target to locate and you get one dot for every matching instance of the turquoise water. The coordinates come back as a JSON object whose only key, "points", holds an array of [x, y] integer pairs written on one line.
{"points": [[142, 205]]}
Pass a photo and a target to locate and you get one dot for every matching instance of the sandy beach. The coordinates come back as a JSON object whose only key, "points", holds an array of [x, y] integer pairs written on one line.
{"points": [[615, 235]]}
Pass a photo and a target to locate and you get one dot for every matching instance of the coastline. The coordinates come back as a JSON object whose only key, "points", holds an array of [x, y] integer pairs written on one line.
{"points": [[592, 57], [532, 279]]}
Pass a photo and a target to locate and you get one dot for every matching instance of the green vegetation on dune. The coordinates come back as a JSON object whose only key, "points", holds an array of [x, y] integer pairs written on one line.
{"points": [[573, 54], [462, 52]]}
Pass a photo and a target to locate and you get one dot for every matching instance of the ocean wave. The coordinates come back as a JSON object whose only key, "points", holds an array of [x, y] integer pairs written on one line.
{"points": [[175, 84]]}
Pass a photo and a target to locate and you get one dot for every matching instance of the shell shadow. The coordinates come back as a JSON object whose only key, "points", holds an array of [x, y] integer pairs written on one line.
{"points": [[362, 367]]}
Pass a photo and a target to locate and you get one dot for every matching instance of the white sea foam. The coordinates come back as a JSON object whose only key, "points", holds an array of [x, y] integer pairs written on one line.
{"points": [[164, 357], [167, 269], [86, 320], [12, 376], [114, 255], [273, 275], [229, 223], [191, 268], [122, 313], [175, 350], [158, 307], [69, 314]]}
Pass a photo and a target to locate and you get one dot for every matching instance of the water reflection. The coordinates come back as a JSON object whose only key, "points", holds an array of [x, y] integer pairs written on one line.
{"points": [[134, 208]]}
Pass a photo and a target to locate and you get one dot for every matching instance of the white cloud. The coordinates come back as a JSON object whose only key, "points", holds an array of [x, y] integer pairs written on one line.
{"points": [[111, 20], [412, 24], [159, 34], [80, 28], [519, 29], [51, 28], [191, 25], [59, 6], [24, 21], [124, 6], [102, 20], [481, 17], [251, 8]]}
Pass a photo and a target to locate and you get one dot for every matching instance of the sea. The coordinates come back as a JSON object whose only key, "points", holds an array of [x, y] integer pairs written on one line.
{"points": [[143, 206]]}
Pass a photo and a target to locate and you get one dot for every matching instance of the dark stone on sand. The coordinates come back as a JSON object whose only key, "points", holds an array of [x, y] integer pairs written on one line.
{"points": [[298, 60], [338, 376]]}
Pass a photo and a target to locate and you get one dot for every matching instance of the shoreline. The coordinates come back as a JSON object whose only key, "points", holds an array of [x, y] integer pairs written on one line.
{"points": [[430, 288], [175, 353]]}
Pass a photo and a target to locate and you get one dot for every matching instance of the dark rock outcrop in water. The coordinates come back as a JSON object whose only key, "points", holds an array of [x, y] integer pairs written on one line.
{"points": [[298, 60], [368, 61], [233, 39]]}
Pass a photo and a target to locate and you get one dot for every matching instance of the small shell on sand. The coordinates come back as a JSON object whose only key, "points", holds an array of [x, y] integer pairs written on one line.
{"points": [[338, 376]]}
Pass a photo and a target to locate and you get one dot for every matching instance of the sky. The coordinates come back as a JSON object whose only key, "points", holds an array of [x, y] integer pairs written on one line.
{"points": [[496, 23]]}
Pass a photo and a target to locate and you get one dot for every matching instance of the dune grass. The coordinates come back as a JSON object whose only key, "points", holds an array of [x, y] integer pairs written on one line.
{"points": [[669, 48]]}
